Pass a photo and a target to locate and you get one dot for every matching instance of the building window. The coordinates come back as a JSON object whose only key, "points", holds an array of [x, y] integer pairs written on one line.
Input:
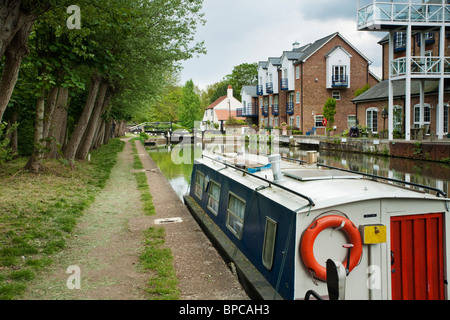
{"points": [[351, 121], [269, 243], [297, 72], [297, 97], [399, 41], [291, 121], [336, 95], [372, 119], [297, 122], [199, 183], [319, 121], [398, 118], [235, 215], [426, 115], [446, 110], [276, 121], [214, 197]]}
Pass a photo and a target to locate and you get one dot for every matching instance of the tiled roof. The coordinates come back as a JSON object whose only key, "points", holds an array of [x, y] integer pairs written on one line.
{"points": [[225, 114], [215, 103]]}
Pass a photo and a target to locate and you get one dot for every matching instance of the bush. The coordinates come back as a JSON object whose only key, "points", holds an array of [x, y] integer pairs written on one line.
{"points": [[6, 153]]}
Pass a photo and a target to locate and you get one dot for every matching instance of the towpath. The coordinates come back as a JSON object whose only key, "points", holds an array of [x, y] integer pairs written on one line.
{"points": [[108, 241]]}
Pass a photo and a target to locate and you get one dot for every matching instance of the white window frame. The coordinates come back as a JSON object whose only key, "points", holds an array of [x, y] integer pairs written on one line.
{"points": [[297, 72], [336, 94], [370, 126], [351, 123], [198, 186], [237, 233], [297, 97], [210, 196], [316, 121], [268, 251]]}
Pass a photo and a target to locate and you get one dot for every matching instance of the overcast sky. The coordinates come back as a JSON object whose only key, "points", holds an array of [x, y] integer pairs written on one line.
{"points": [[246, 31]]}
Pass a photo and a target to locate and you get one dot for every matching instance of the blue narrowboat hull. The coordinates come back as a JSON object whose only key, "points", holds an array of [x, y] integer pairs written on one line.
{"points": [[262, 281]]}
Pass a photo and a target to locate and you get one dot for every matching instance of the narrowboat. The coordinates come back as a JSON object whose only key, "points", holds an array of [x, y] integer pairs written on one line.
{"points": [[293, 229]]}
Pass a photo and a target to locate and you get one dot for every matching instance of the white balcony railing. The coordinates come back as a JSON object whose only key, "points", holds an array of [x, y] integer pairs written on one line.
{"points": [[425, 66], [383, 12]]}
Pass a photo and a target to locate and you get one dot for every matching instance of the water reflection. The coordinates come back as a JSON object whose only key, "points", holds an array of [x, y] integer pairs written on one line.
{"points": [[431, 174]]}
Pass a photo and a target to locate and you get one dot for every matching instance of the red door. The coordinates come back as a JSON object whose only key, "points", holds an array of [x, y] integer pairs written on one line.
{"points": [[417, 257]]}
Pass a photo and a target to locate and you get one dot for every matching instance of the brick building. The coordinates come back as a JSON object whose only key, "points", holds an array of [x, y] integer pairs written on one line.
{"points": [[416, 68], [294, 87], [371, 103]]}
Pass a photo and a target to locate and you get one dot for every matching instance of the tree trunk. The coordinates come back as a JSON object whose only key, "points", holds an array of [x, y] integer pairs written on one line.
{"points": [[90, 131], [70, 150], [50, 109], [108, 131], [10, 21], [34, 164], [58, 125], [14, 53]]}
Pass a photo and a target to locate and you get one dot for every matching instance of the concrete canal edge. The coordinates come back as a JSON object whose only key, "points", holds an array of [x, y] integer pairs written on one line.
{"points": [[420, 150], [201, 271]]}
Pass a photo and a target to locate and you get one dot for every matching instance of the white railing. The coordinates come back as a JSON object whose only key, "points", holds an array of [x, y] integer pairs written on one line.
{"points": [[379, 12], [427, 66]]}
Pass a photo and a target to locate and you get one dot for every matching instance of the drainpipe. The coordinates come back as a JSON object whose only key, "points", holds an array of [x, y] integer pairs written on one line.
{"points": [[301, 96]]}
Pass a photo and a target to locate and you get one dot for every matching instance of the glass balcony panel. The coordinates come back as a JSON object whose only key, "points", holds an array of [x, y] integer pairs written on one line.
{"points": [[435, 13], [284, 84], [259, 90], [418, 13], [384, 12], [401, 12]]}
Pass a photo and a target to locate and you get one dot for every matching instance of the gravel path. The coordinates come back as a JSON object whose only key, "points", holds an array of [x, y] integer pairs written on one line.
{"points": [[107, 242]]}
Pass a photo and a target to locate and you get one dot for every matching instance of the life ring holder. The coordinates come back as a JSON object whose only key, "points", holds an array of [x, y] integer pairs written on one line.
{"points": [[315, 228]]}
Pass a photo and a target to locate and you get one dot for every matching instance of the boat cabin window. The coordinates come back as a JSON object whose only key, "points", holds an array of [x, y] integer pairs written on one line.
{"points": [[235, 214], [214, 197], [269, 243], [199, 183]]}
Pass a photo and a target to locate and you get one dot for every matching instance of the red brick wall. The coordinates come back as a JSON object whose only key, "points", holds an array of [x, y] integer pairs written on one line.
{"points": [[315, 93]]}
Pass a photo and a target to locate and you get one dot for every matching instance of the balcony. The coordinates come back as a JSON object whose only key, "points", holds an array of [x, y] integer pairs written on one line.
{"points": [[290, 107], [239, 113], [275, 110], [386, 14], [259, 90], [265, 111], [339, 81], [284, 84], [269, 87], [250, 111], [421, 66]]}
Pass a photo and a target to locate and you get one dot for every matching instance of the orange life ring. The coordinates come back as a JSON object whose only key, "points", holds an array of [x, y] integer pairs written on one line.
{"points": [[310, 235]]}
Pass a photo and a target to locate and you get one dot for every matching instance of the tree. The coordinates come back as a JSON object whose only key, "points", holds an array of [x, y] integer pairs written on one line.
{"points": [[329, 111], [190, 106], [16, 22]]}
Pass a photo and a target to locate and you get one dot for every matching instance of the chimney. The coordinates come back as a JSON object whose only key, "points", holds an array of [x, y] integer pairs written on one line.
{"points": [[230, 92], [296, 45]]}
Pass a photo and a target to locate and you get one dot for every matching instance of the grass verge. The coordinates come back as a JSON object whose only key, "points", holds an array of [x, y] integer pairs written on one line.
{"points": [[164, 285], [39, 212]]}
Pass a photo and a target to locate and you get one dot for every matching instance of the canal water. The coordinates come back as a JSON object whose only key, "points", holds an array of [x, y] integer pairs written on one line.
{"points": [[432, 174]]}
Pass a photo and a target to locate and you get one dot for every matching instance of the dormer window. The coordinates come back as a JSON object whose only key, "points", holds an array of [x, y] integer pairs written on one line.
{"points": [[340, 76]]}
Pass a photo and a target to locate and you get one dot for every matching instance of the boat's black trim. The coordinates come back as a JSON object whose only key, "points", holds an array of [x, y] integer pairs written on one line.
{"points": [[311, 203], [438, 191], [295, 160]]}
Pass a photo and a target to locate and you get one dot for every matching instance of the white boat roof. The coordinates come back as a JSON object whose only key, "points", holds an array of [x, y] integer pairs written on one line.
{"points": [[325, 187]]}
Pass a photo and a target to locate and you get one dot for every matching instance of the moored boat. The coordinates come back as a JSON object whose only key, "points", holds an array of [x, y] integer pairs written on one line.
{"points": [[293, 229]]}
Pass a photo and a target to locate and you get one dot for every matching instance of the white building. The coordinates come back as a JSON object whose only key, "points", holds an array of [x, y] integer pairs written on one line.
{"points": [[222, 109]]}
